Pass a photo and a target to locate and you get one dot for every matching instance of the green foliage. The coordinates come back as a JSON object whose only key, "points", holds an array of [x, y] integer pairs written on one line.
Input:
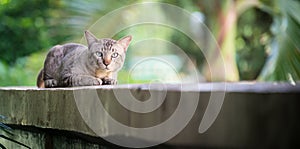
{"points": [[189, 47], [24, 72], [284, 61], [82, 14], [30, 27], [4, 128], [253, 35], [25, 28]]}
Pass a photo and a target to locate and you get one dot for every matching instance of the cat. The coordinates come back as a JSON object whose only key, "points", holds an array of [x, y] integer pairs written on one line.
{"points": [[74, 64]]}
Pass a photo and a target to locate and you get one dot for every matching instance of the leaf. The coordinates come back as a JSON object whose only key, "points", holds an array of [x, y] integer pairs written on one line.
{"points": [[3, 147], [4, 126], [7, 129], [12, 140], [293, 11], [2, 117], [284, 62]]}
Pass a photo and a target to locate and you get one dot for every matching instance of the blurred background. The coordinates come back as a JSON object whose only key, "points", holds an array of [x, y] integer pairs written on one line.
{"points": [[259, 39]]}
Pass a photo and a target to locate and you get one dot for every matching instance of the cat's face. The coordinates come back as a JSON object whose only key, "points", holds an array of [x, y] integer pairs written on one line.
{"points": [[107, 54]]}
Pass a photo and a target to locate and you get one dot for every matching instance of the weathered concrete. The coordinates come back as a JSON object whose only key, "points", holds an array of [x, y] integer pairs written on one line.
{"points": [[253, 114]]}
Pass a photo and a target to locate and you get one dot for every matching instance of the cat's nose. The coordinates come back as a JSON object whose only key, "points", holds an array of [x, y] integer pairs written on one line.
{"points": [[106, 61]]}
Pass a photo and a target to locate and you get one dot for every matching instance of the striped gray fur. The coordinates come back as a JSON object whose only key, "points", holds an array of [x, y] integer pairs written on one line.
{"points": [[79, 65]]}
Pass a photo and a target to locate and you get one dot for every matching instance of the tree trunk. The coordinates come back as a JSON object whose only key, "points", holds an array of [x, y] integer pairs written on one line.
{"points": [[221, 63]]}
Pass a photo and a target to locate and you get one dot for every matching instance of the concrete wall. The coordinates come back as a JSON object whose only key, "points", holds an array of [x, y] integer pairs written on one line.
{"points": [[260, 115]]}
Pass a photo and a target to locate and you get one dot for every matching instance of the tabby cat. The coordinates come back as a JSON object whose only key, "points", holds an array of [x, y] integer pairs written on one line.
{"points": [[77, 65]]}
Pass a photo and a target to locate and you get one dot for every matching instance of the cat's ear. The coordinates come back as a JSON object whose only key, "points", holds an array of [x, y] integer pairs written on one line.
{"points": [[90, 38], [125, 41]]}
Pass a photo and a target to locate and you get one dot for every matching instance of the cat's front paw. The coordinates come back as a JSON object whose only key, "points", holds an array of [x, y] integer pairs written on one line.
{"points": [[83, 81], [97, 81], [49, 83], [109, 81]]}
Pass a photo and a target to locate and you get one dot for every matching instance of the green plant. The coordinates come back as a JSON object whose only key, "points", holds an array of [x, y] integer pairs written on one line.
{"points": [[284, 55], [284, 62], [29, 26], [7, 129]]}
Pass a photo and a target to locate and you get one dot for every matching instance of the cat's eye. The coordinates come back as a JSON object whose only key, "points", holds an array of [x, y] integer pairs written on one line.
{"points": [[99, 54], [114, 55]]}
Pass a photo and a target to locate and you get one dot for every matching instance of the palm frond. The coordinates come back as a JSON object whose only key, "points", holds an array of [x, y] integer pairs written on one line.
{"points": [[2, 146], [83, 14], [284, 61], [7, 130], [12, 140], [3, 126], [2, 117]]}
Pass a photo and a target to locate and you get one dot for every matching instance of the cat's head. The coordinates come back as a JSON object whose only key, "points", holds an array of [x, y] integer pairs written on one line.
{"points": [[107, 54]]}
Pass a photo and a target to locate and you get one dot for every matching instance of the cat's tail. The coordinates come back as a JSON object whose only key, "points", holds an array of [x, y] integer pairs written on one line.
{"points": [[40, 79]]}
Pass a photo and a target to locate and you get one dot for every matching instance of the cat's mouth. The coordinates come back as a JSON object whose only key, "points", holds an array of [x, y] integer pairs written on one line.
{"points": [[104, 68]]}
